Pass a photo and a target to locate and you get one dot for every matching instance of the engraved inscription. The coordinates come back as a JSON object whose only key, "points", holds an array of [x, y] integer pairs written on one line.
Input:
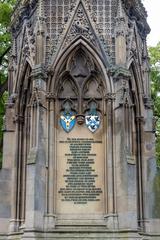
{"points": [[80, 176]]}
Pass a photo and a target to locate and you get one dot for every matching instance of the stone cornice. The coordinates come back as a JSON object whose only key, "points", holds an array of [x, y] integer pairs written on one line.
{"points": [[135, 10], [119, 72], [23, 10]]}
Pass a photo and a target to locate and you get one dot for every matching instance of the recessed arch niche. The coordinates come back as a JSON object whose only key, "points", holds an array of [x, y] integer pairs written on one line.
{"points": [[80, 157]]}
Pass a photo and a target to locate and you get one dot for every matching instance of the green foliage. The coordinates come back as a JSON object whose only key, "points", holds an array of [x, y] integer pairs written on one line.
{"points": [[6, 8], [154, 53]]}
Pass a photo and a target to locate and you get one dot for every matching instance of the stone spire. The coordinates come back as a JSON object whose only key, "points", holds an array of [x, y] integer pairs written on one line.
{"points": [[120, 35], [40, 11], [120, 13], [40, 34]]}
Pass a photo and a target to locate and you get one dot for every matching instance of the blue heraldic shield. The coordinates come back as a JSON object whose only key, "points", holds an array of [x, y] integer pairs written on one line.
{"points": [[68, 121]]}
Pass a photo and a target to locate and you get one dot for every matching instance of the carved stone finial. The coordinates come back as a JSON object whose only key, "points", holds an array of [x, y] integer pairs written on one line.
{"points": [[41, 34], [110, 97], [120, 12], [120, 35], [41, 10]]}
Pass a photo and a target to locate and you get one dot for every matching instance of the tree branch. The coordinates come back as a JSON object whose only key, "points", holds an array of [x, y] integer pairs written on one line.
{"points": [[3, 87], [3, 54]]}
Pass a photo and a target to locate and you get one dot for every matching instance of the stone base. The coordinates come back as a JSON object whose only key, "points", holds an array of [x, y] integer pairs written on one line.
{"points": [[3, 237], [152, 226], [82, 234]]}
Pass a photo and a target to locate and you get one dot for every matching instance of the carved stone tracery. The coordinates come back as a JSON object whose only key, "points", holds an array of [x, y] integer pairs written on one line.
{"points": [[80, 27], [81, 84]]}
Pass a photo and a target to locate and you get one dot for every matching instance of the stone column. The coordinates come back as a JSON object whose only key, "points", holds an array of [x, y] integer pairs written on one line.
{"points": [[120, 36], [16, 175], [151, 179], [7, 176], [36, 162], [140, 170], [50, 218], [125, 166], [111, 213]]}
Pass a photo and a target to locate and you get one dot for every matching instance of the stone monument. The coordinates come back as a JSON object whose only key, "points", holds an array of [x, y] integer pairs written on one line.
{"points": [[78, 156]]}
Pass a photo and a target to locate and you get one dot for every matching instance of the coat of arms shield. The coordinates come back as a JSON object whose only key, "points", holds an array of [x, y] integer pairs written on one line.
{"points": [[92, 121], [67, 120], [92, 118]]}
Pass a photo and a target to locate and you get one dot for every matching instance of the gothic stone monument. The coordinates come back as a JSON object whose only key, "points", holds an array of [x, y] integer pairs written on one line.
{"points": [[78, 158]]}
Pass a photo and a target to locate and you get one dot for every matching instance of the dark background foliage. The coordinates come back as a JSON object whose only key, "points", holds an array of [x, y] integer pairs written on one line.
{"points": [[6, 8]]}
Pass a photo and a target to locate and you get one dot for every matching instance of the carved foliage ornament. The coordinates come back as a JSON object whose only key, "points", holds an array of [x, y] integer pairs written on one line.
{"points": [[80, 27]]}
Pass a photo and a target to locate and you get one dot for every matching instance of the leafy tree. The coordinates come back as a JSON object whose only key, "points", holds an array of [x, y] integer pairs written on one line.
{"points": [[6, 8], [154, 53]]}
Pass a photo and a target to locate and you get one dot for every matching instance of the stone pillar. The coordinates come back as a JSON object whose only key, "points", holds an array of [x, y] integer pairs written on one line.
{"points": [[125, 166], [7, 171], [111, 213], [16, 176], [120, 46], [140, 170], [36, 162], [120, 36], [50, 217], [151, 180]]}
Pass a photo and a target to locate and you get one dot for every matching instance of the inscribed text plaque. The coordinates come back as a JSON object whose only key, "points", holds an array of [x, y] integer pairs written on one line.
{"points": [[80, 171]]}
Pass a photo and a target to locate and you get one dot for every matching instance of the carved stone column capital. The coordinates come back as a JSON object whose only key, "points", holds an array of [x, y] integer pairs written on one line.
{"points": [[50, 97], [147, 102], [19, 119], [39, 77], [140, 119], [121, 73], [110, 97]]}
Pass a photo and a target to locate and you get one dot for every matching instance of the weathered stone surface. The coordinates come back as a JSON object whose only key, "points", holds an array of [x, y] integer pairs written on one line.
{"points": [[79, 158]]}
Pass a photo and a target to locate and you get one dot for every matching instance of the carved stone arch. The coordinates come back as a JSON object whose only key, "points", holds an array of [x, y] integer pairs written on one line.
{"points": [[137, 87], [98, 59], [81, 51], [82, 116], [23, 94], [66, 85], [129, 112], [21, 75], [81, 78], [137, 72], [137, 91], [98, 90], [23, 90], [76, 114]]}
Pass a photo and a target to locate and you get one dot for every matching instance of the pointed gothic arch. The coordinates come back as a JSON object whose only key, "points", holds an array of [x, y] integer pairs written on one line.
{"points": [[21, 75], [96, 57], [138, 92], [80, 84], [136, 85], [23, 125]]}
